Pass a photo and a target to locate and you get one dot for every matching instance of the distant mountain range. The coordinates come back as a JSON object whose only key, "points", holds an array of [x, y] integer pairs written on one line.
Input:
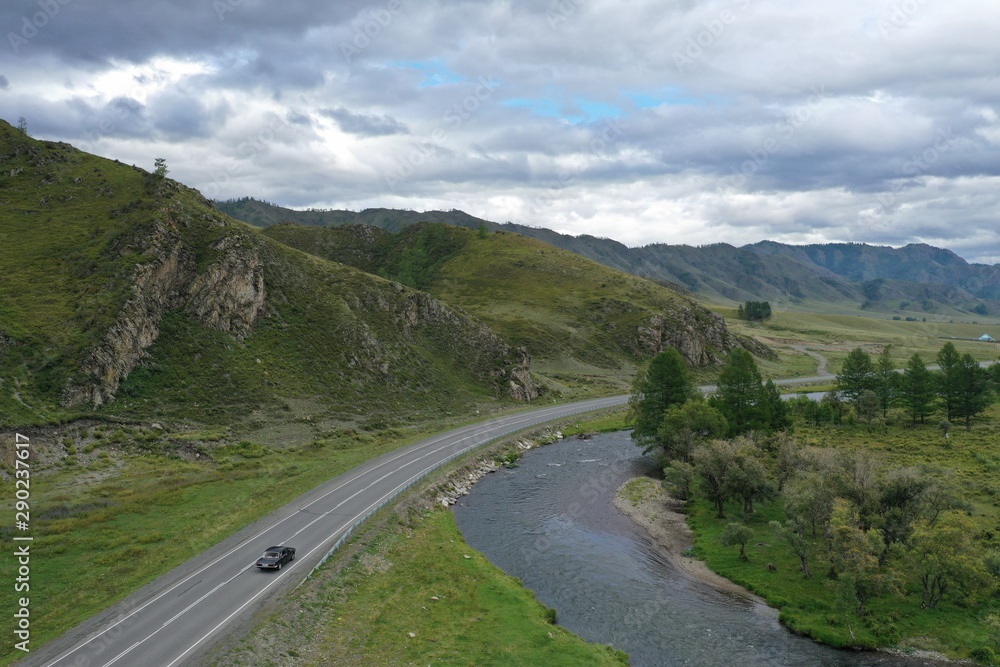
{"points": [[917, 280]]}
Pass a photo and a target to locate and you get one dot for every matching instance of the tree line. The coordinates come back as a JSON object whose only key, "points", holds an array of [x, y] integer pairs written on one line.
{"points": [[961, 388], [877, 530], [757, 311]]}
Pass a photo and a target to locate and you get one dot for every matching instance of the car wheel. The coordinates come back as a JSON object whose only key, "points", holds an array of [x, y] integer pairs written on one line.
{"points": [[279, 566]]}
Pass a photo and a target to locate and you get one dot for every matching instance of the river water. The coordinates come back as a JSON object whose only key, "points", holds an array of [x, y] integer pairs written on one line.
{"points": [[551, 523]]}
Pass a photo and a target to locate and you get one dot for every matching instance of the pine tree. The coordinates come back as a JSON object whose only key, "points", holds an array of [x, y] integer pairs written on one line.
{"points": [[739, 396], [666, 382], [974, 394], [917, 389], [949, 379], [886, 381], [857, 375]]}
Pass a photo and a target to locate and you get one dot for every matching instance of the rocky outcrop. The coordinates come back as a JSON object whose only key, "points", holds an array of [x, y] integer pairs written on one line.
{"points": [[228, 294], [479, 348], [700, 335]]}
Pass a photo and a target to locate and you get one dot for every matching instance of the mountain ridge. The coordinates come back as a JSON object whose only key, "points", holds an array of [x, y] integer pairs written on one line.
{"points": [[916, 279]]}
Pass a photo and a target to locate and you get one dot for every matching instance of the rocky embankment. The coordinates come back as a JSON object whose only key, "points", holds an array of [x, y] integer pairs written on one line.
{"points": [[460, 482]]}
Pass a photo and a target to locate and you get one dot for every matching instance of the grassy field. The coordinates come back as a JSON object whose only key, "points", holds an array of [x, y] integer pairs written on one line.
{"points": [[811, 606], [834, 335], [414, 593], [118, 507]]}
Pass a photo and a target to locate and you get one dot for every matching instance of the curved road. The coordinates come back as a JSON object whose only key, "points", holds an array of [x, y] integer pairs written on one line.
{"points": [[171, 621]]}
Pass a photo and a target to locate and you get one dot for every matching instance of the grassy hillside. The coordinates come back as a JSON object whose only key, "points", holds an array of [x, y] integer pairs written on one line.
{"points": [[584, 324], [129, 296]]}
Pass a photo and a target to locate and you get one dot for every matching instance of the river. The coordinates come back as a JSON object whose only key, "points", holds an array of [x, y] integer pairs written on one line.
{"points": [[551, 523]]}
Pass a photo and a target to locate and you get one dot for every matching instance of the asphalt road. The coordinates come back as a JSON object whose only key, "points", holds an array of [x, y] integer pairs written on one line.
{"points": [[173, 620]]}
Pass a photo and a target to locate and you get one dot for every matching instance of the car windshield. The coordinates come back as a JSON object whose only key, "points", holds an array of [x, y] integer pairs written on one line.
{"points": [[272, 554]]}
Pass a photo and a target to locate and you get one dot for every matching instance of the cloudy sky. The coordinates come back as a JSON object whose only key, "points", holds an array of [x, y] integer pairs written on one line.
{"points": [[646, 121]]}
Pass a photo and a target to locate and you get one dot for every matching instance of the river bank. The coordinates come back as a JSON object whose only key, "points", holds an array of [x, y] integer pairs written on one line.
{"points": [[645, 502]]}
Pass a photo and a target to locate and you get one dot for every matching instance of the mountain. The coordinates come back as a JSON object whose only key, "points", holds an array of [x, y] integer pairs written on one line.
{"points": [[129, 296], [917, 279], [576, 317]]}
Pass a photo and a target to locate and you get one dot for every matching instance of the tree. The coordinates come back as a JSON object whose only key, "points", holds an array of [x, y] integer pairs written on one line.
{"points": [[901, 501], [678, 479], [854, 555], [857, 375], [736, 534], [948, 378], [808, 500], [973, 394], [22, 125], [160, 168], [945, 557], [666, 382], [747, 479], [794, 533], [754, 310], [713, 462], [774, 407], [917, 389], [683, 425], [739, 396], [886, 381]]}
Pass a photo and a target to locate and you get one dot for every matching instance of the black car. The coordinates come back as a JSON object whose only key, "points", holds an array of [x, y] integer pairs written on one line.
{"points": [[275, 557]]}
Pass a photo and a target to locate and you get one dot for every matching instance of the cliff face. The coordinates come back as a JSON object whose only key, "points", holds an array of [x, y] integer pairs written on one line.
{"points": [[221, 284], [700, 335], [228, 295]]}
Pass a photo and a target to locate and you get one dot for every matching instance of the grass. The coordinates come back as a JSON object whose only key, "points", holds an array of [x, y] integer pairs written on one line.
{"points": [[415, 593], [113, 519], [834, 335], [810, 606], [579, 320]]}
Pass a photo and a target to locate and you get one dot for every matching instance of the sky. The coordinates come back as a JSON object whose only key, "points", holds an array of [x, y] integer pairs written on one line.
{"points": [[646, 121]]}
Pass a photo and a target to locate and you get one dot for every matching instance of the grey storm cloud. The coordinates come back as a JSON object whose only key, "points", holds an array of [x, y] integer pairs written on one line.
{"points": [[639, 120], [363, 124]]}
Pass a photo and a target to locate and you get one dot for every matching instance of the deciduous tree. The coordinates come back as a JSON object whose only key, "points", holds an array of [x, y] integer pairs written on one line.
{"points": [[684, 425], [945, 557], [713, 462], [736, 534]]}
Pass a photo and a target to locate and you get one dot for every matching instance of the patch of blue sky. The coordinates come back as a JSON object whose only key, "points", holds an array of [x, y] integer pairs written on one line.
{"points": [[437, 73], [666, 97], [577, 111], [542, 106]]}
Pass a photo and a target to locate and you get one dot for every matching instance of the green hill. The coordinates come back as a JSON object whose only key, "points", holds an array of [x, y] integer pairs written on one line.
{"points": [[580, 321], [130, 296]]}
